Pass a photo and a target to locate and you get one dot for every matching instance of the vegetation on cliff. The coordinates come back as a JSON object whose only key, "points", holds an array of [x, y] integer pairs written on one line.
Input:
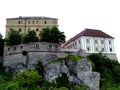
{"points": [[33, 79], [109, 71]]}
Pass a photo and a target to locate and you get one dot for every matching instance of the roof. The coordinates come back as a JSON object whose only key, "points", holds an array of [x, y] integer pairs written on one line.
{"points": [[89, 33], [32, 17]]}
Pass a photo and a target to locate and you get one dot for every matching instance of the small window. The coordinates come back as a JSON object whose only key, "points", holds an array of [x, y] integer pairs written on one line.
{"points": [[19, 29], [45, 22], [110, 42], [102, 49], [33, 22], [73, 44], [110, 49], [79, 41], [29, 22], [56, 46], [28, 29], [50, 46], [19, 22], [96, 49], [37, 22], [96, 41], [37, 29], [21, 47], [53, 22], [8, 49], [102, 41], [88, 49], [14, 48], [87, 40]]}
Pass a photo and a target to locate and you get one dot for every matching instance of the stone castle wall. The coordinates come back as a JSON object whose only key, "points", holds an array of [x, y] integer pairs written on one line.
{"points": [[36, 51]]}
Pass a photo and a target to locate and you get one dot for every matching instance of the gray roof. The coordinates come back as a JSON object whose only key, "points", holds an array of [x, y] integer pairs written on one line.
{"points": [[32, 17]]}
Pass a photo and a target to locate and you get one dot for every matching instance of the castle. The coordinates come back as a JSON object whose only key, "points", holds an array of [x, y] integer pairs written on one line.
{"points": [[89, 41]]}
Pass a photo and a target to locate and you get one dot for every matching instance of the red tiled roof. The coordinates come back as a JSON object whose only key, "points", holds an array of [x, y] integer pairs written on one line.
{"points": [[90, 33]]}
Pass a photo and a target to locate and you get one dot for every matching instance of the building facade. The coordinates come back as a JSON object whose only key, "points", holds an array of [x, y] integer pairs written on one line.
{"points": [[92, 41], [24, 24]]}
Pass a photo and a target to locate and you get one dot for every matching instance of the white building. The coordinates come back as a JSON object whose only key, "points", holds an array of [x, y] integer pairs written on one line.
{"points": [[92, 41]]}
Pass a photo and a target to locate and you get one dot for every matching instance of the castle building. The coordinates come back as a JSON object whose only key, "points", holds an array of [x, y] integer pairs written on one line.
{"points": [[92, 41], [24, 24]]}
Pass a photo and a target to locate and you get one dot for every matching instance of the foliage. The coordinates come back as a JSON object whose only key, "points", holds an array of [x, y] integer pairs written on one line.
{"points": [[52, 35], [1, 36], [83, 87], [40, 68], [61, 88], [60, 80], [28, 78], [14, 37], [30, 37], [108, 69]]}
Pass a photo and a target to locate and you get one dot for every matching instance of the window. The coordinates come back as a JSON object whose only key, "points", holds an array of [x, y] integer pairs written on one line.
{"points": [[19, 29], [96, 41], [45, 22], [37, 29], [102, 41], [21, 47], [28, 29], [19, 22], [96, 49], [14, 48], [53, 22], [29, 22], [79, 41], [33, 22], [8, 49], [102, 49], [110, 49], [88, 48], [50, 46], [87, 40], [110, 42], [56, 46], [37, 22]]}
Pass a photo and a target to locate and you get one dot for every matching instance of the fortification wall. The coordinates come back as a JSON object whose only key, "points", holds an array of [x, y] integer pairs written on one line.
{"points": [[35, 51]]}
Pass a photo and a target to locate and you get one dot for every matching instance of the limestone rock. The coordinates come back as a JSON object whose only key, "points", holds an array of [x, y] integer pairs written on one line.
{"points": [[77, 72]]}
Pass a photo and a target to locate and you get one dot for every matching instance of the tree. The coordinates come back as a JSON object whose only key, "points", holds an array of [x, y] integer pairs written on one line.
{"points": [[14, 37], [30, 37], [52, 35], [1, 51], [107, 68]]}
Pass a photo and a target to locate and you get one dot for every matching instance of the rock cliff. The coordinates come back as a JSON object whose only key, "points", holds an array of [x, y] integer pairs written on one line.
{"points": [[78, 72]]}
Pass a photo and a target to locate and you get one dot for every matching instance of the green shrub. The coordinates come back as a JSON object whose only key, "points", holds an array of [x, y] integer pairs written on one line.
{"points": [[77, 87], [28, 78]]}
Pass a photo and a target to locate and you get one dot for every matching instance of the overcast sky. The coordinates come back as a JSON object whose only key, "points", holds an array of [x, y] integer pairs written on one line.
{"points": [[73, 15]]}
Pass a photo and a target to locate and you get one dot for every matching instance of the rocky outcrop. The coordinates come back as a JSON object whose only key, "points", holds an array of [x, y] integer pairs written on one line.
{"points": [[77, 72]]}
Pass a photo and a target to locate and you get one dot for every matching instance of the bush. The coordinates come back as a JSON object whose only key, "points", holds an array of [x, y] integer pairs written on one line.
{"points": [[28, 78]]}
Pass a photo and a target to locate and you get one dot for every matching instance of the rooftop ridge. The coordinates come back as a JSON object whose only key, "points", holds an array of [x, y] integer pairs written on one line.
{"points": [[90, 33]]}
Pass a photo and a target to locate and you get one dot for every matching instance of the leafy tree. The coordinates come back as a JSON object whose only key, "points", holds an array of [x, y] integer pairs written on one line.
{"points": [[28, 78], [14, 37], [30, 37], [1, 51], [0, 36], [107, 68], [52, 35]]}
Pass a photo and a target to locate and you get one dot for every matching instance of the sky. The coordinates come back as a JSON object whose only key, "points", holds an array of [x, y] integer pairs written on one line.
{"points": [[73, 15]]}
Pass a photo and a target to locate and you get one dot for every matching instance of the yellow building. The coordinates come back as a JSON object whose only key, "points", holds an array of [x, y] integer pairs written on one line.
{"points": [[24, 24]]}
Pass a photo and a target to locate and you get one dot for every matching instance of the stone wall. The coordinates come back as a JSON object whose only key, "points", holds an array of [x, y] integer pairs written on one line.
{"points": [[35, 51]]}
